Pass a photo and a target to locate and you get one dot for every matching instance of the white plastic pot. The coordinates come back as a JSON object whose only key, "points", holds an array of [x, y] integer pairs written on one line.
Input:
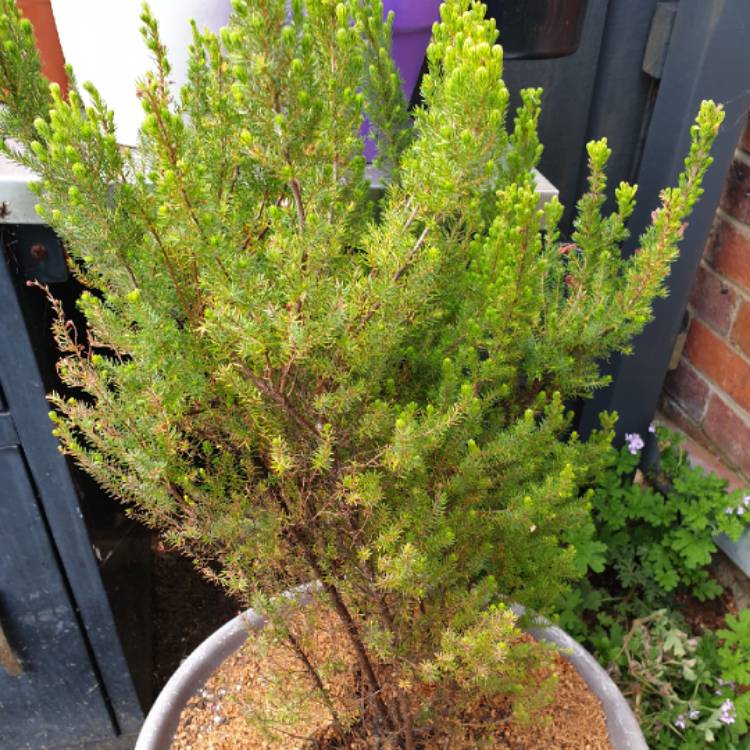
{"points": [[101, 39]]}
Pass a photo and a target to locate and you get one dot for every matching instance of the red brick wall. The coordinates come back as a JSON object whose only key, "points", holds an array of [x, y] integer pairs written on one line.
{"points": [[708, 394]]}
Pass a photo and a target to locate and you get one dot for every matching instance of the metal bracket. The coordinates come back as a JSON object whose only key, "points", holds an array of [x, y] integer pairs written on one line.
{"points": [[37, 251], [659, 37], [8, 434]]}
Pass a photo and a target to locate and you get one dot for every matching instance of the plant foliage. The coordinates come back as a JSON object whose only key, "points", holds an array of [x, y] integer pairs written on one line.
{"points": [[651, 551], [688, 692], [660, 533]]}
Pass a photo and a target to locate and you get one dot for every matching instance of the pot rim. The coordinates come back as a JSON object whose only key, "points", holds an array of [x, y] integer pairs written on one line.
{"points": [[161, 723], [623, 728]]}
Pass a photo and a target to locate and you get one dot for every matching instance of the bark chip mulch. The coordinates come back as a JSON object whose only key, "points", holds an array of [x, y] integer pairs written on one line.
{"points": [[242, 707]]}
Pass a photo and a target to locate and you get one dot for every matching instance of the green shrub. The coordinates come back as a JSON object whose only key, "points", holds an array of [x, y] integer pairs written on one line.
{"points": [[649, 540], [660, 533], [651, 549], [292, 383], [688, 692]]}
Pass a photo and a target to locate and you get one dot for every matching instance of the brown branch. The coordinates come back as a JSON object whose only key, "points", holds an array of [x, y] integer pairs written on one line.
{"points": [[279, 398], [174, 161], [315, 676], [305, 543], [405, 711], [412, 254], [223, 268], [400, 271], [299, 206], [355, 638], [186, 306]]}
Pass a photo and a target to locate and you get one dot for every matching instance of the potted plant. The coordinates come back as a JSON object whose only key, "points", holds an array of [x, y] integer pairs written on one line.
{"points": [[293, 384]]}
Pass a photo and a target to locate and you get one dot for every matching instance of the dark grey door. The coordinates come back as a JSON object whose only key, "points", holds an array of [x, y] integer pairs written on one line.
{"points": [[74, 689], [58, 679]]}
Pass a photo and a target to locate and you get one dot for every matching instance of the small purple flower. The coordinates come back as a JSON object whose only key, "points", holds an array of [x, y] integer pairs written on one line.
{"points": [[727, 712], [679, 722], [652, 428], [746, 501], [729, 511], [634, 441], [694, 714], [741, 510]]}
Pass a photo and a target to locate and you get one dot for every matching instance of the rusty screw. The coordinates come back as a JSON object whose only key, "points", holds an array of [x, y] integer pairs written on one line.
{"points": [[39, 251]]}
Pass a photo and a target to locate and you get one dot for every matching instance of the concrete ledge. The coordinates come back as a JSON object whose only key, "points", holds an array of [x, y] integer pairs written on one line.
{"points": [[19, 201]]}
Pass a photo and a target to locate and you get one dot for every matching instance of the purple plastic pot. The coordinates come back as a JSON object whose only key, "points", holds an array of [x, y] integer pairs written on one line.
{"points": [[412, 28]]}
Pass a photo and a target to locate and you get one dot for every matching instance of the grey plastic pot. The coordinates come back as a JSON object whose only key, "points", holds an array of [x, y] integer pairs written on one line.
{"points": [[161, 723]]}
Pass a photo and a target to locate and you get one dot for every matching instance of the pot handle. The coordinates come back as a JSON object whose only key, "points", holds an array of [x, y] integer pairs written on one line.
{"points": [[8, 660]]}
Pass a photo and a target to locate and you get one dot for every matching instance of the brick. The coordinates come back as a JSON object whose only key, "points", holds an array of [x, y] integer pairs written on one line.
{"points": [[729, 253], [688, 389], [713, 357], [741, 328], [729, 432], [712, 300], [668, 408], [735, 200]]}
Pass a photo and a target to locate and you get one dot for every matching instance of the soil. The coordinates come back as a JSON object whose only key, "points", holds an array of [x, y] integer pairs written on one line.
{"points": [[240, 708], [711, 614], [706, 615]]}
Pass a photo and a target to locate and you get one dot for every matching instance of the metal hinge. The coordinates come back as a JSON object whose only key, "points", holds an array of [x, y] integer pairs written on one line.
{"points": [[8, 433], [659, 36]]}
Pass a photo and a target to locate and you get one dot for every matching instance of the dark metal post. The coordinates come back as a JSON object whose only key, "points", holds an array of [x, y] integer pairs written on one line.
{"points": [[708, 58]]}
